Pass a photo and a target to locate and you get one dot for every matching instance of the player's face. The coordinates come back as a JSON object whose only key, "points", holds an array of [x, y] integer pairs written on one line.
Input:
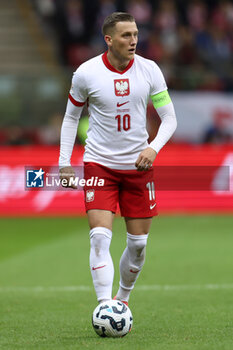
{"points": [[124, 40]]}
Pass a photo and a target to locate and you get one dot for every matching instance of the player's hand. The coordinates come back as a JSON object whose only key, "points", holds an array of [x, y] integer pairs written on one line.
{"points": [[68, 174], [145, 159]]}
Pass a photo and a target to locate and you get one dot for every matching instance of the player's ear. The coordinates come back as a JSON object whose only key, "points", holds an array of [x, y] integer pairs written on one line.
{"points": [[108, 40]]}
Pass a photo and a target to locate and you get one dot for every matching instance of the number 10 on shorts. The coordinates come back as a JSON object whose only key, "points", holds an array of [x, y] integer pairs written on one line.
{"points": [[151, 189]]}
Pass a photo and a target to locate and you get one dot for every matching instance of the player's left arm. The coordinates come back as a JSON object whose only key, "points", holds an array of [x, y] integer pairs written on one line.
{"points": [[165, 109]]}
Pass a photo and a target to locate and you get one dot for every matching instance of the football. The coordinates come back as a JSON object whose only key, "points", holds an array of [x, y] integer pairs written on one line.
{"points": [[112, 318]]}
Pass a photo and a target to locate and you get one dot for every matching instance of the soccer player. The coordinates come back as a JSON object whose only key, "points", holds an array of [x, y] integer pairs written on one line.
{"points": [[117, 85]]}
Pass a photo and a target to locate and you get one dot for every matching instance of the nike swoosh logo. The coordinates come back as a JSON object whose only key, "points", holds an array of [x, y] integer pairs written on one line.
{"points": [[152, 206], [121, 104], [99, 267], [133, 271]]}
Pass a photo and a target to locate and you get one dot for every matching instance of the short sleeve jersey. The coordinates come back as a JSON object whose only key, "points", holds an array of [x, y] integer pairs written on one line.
{"points": [[117, 103]]}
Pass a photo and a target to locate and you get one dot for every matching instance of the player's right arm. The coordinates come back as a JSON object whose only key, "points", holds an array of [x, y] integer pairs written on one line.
{"points": [[69, 127]]}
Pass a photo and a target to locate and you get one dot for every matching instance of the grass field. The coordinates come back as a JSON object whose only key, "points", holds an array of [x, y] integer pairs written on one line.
{"points": [[182, 300]]}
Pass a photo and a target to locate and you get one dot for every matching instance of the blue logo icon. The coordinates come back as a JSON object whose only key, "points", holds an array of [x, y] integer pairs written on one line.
{"points": [[35, 178]]}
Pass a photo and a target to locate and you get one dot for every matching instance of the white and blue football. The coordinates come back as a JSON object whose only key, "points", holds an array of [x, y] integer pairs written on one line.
{"points": [[112, 318]]}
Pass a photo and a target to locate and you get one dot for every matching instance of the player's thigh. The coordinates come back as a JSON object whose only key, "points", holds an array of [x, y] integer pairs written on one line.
{"points": [[137, 196], [104, 197], [100, 218], [138, 226]]}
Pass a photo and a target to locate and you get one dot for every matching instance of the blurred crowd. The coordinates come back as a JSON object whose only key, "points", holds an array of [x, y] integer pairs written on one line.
{"points": [[192, 41]]}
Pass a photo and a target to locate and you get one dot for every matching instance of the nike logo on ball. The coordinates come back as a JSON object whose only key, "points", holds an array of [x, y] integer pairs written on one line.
{"points": [[121, 104], [98, 267], [152, 206]]}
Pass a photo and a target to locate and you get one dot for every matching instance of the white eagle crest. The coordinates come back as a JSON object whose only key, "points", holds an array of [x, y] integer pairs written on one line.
{"points": [[122, 87], [90, 194]]}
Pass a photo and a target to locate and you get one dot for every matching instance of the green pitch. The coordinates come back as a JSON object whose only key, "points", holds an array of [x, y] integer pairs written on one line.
{"points": [[183, 299]]}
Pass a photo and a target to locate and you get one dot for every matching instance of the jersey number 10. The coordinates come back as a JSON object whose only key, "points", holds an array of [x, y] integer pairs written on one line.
{"points": [[123, 122]]}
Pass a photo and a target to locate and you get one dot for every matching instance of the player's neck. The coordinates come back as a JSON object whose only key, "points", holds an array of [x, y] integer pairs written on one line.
{"points": [[118, 64]]}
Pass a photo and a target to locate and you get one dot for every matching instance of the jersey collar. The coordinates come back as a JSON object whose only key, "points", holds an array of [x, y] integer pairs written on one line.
{"points": [[110, 67]]}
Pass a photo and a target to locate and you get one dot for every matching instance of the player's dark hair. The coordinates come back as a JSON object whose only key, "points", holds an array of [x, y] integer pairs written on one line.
{"points": [[115, 17]]}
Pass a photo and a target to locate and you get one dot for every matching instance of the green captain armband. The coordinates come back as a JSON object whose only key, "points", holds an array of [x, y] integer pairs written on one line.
{"points": [[161, 99]]}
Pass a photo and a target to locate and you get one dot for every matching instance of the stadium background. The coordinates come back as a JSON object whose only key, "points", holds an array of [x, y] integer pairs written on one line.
{"points": [[44, 41], [183, 298]]}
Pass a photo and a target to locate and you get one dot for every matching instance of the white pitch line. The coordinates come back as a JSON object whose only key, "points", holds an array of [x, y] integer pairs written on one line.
{"points": [[185, 287], [153, 287], [39, 289]]}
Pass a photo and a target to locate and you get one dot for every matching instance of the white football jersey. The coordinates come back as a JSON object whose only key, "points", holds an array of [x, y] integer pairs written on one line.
{"points": [[117, 103]]}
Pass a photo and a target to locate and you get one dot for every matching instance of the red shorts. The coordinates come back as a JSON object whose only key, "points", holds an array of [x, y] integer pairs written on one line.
{"points": [[133, 190]]}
